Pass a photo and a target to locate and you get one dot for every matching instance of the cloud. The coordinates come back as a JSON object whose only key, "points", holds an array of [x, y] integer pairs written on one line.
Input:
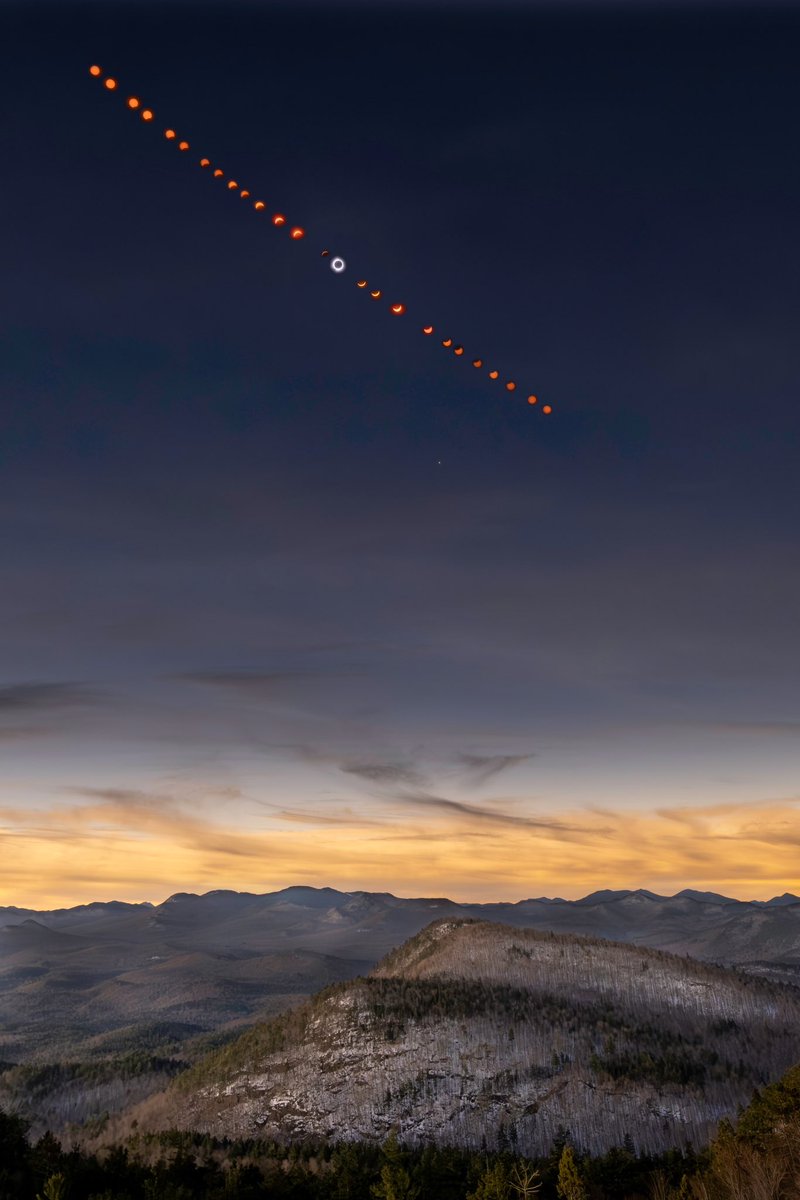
{"points": [[264, 682], [44, 697], [400, 783], [493, 816], [390, 773], [130, 843], [346, 818], [480, 768], [22, 733], [127, 798], [756, 728]]}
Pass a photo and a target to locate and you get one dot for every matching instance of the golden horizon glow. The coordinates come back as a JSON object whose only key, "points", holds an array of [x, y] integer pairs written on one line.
{"points": [[130, 845]]}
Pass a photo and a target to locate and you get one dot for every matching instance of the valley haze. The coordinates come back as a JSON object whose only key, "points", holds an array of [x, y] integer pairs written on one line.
{"points": [[115, 976]]}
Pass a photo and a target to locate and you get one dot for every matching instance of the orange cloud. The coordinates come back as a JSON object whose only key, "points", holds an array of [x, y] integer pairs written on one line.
{"points": [[127, 844]]}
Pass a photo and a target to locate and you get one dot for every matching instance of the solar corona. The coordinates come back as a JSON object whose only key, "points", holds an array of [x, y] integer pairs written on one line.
{"points": [[297, 233]]}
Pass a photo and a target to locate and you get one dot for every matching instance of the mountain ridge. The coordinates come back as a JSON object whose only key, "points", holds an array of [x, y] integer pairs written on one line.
{"points": [[63, 997], [603, 895], [474, 1032]]}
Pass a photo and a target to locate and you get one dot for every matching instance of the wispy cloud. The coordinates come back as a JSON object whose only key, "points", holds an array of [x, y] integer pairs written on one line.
{"points": [[262, 682], [126, 799], [426, 800], [45, 697], [404, 786], [258, 683], [480, 768], [345, 819], [139, 844], [22, 733], [756, 728], [385, 773]]}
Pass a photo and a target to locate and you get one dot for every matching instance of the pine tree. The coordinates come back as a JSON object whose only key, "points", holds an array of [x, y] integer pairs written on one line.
{"points": [[55, 1188], [394, 1184], [395, 1181], [570, 1185], [493, 1184]]}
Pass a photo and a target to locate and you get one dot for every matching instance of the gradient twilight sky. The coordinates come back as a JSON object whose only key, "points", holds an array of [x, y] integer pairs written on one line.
{"points": [[289, 595]]}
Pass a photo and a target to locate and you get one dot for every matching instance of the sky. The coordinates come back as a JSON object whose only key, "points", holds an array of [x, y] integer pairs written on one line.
{"points": [[290, 594]]}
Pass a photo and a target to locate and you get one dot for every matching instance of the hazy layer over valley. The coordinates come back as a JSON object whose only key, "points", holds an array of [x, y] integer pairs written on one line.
{"points": [[109, 978]]}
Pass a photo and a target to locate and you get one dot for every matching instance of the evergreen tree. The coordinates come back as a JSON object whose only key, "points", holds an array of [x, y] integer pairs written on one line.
{"points": [[14, 1160], [493, 1184], [55, 1188], [570, 1184], [395, 1181]]}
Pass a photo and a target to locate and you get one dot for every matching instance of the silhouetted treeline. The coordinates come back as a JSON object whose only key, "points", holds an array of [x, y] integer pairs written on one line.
{"points": [[757, 1159], [186, 1166]]}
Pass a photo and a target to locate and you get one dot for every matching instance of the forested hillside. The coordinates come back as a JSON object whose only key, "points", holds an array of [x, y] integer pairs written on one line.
{"points": [[755, 1159], [107, 979], [478, 1035]]}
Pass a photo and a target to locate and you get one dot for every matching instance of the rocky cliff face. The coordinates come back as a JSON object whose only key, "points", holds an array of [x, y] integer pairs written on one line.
{"points": [[474, 1033]]}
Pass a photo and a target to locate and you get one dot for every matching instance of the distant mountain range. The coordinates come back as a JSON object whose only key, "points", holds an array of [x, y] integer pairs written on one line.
{"points": [[105, 978], [475, 1034]]}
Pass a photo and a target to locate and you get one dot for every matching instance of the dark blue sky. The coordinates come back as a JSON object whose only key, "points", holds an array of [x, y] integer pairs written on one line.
{"points": [[268, 550]]}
